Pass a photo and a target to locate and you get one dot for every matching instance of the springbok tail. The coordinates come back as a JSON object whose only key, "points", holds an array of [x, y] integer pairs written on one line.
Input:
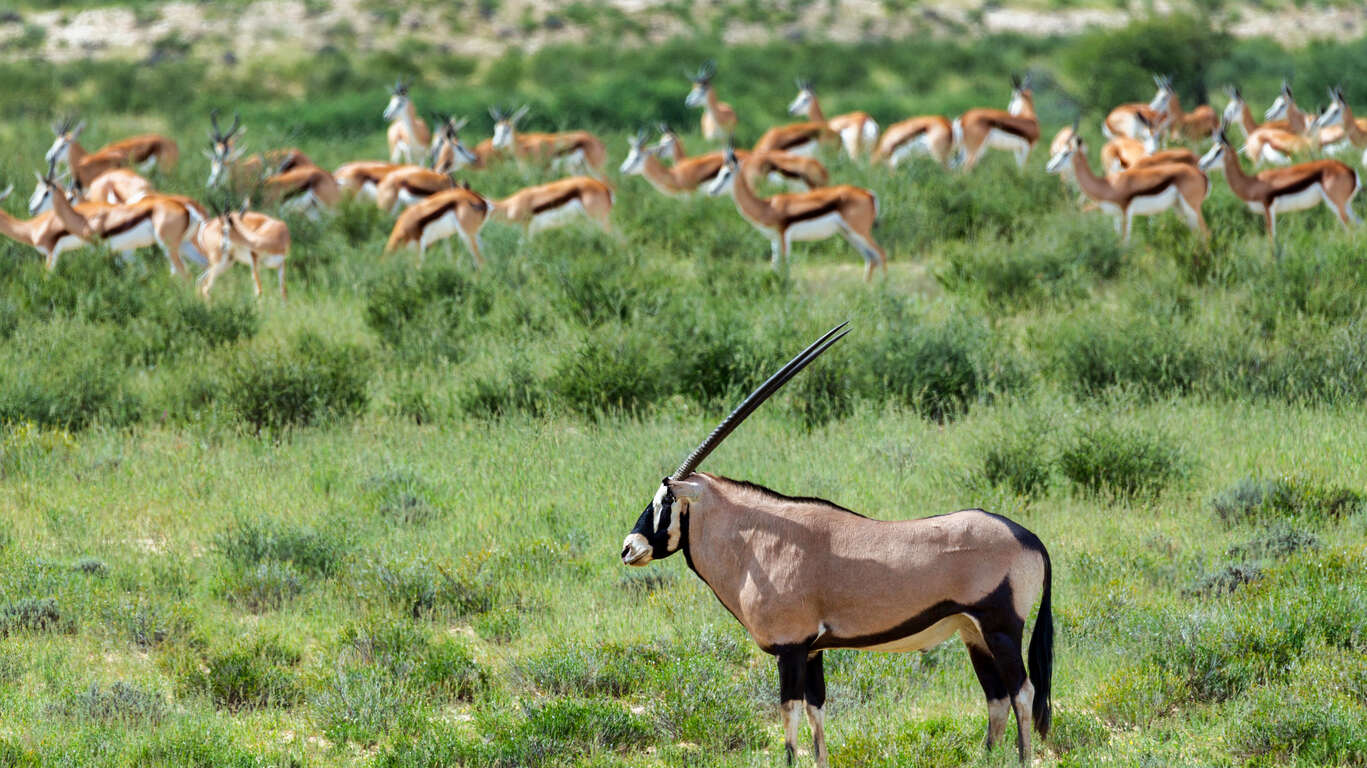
{"points": [[1041, 654]]}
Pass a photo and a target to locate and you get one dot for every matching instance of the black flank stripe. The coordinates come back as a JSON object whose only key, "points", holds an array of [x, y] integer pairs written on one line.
{"points": [[556, 203], [909, 137], [798, 141], [998, 602], [434, 215], [815, 213], [1301, 185], [1011, 129], [127, 225]]}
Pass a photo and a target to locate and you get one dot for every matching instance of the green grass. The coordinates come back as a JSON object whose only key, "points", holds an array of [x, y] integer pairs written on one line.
{"points": [[378, 525]]}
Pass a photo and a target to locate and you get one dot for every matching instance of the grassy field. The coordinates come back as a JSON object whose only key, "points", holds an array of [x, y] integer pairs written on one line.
{"points": [[378, 525]]}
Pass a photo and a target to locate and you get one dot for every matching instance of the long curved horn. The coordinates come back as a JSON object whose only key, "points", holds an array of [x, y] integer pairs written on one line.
{"points": [[6, 192], [757, 398]]}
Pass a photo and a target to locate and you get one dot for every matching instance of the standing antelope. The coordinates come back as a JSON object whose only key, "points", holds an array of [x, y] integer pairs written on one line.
{"points": [[858, 131], [718, 118], [363, 176], [118, 186], [457, 211], [929, 134], [546, 206], [46, 232], [1275, 141], [225, 156], [306, 188], [816, 215], [1124, 120], [1121, 152], [805, 575], [448, 151], [1186, 126], [145, 151], [1143, 191], [781, 167], [244, 237], [408, 135], [563, 150], [1337, 127], [408, 184], [1287, 189], [1015, 130]]}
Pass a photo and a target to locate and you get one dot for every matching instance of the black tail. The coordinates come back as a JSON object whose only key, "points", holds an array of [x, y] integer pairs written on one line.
{"points": [[1041, 654]]}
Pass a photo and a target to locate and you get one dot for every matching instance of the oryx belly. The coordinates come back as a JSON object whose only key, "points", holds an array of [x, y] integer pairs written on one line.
{"points": [[999, 139], [819, 228], [139, 236], [1148, 205], [556, 217], [1299, 201], [927, 638]]}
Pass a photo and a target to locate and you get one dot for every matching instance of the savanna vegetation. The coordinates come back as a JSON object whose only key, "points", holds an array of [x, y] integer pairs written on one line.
{"points": [[378, 525]]}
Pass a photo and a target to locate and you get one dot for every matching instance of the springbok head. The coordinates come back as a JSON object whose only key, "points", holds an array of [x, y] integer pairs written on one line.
{"points": [[726, 175], [661, 529], [505, 125], [41, 199], [1213, 159], [1020, 91], [1163, 98], [702, 83], [448, 134], [1064, 156], [1281, 104], [636, 153], [805, 96], [1332, 114], [63, 134], [669, 140], [1235, 105], [222, 150], [398, 100]]}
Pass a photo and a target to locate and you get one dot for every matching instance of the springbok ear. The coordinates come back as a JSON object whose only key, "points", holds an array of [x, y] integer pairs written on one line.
{"points": [[76, 132]]}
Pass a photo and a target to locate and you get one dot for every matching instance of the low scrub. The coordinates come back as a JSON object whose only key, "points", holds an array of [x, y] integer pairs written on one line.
{"points": [[254, 673], [1275, 500], [420, 587], [1120, 461], [612, 373], [1020, 459], [253, 541], [121, 703], [310, 381], [34, 615], [425, 314], [937, 368], [1092, 353]]}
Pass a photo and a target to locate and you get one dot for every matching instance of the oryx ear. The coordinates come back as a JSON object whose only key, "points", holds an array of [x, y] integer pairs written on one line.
{"points": [[684, 489]]}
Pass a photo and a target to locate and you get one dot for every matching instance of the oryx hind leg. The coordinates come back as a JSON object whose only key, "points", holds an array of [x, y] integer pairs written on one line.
{"points": [[816, 707], [1004, 642], [994, 687]]}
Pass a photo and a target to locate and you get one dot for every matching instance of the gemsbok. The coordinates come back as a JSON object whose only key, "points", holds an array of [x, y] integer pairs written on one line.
{"points": [[858, 131], [805, 575], [145, 152], [1338, 129], [408, 135], [244, 237], [1143, 191], [797, 171], [561, 151], [931, 135], [1295, 188], [816, 215], [1015, 130], [456, 211], [547, 206], [1195, 125], [718, 120]]}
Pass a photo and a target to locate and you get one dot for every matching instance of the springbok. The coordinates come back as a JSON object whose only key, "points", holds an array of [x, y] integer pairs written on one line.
{"points": [[306, 188], [363, 177], [928, 134], [244, 237], [456, 211], [145, 151], [858, 131], [547, 206], [46, 232], [448, 151], [1124, 120], [1016, 130], [1337, 127], [406, 185], [1121, 152], [118, 186], [800, 138], [805, 575], [1275, 141], [1143, 191], [1184, 126], [815, 215], [797, 171], [226, 161], [408, 135], [562, 151], [1287, 189], [718, 118]]}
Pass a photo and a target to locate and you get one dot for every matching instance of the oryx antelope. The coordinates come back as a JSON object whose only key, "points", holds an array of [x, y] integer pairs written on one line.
{"points": [[227, 164], [1185, 126], [718, 118], [815, 215], [561, 151], [245, 237], [858, 131], [547, 206], [456, 211], [1337, 127], [143, 151], [797, 171], [928, 134], [804, 575], [408, 135], [1143, 191], [1015, 130], [1287, 189]]}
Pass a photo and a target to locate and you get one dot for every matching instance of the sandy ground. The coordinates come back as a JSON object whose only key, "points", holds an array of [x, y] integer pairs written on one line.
{"points": [[274, 25]]}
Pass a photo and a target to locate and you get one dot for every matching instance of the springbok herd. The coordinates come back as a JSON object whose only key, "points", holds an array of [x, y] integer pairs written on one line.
{"points": [[100, 197]]}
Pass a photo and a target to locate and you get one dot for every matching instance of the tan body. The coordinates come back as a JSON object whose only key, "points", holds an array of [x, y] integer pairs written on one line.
{"points": [[1289, 189], [1015, 130], [1129, 121], [559, 151], [363, 176], [47, 232], [163, 220], [250, 238], [546, 206], [1121, 153], [1275, 141], [718, 119], [1340, 129], [858, 131], [930, 134], [408, 135], [306, 188], [247, 171], [781, 167], [1143, 191], [119, 185], [1195, 125], [409, 184], [143, 152], [456, 211]]}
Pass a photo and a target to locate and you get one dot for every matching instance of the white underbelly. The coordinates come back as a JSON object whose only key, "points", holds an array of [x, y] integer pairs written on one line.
{"points": [[918, 145], [805, 149], [1255, 206], [1334, 148], [819, 228], [1147, 205], [370, 189], [556, 217], [67, 243], [1306, 198], [999, 139], [140, 236], [406, 198], [441, 228], [1272, 155], [573, 159]]}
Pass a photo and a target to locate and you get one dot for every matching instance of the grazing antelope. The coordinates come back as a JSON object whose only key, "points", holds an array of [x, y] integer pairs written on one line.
{"points": [[226, 161], [363, 176], [1337, 127], [457, 211], [563, 150], [46, 232], [1287, 189], [816, 215], [408, 135], [547, 206], [805, 575], [408, 184], [244, 237], [306, 188], [1015, 130], [162, 220], [718, 118], [118, 186], [1121, 152], [145, 151], [797, 171], [1142, 191], [858, 131], [1184, 126], [929, 134]]}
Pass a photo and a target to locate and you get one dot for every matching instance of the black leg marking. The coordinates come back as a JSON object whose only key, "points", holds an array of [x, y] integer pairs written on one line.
{"points": [[816, 681], [792, 673]]}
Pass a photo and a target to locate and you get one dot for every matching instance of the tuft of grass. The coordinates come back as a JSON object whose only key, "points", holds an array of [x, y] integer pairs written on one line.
{"points": [[314, 380], [1253, 500], [1108, 458], [251, 674], [34, 615], [121, 703]]}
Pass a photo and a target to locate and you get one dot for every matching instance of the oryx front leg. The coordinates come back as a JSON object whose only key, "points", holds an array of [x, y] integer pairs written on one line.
{"points": [[792, 673]]}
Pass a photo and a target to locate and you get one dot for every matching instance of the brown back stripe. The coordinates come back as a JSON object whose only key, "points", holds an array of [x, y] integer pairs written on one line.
{"points": [[127, 225], [434, 215], [557, 202], [815, 213]]}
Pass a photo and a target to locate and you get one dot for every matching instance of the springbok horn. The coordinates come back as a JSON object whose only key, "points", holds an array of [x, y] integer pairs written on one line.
{"points": [[6, 193], [237, 122], [217, 133], [757, 398], [457, 125]]}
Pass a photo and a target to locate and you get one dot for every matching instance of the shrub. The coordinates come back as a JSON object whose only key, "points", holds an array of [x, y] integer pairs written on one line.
{"points": [[362, 704], [1218, 656], [275, 388], [936, 368], [611, 373], [251, 542], [147, 624], [180, 322], [1125, 462], [401, 496], [823, 393], [1138, 695], [122, 703], [610, 669], [1103, 350], [407, 653], [1224, 580], [67, 377], [420, 587], [1019, 459], [254, 673], [34, 615], [265, 587], [516, 390], [425, 314], [1309, 728], [1275, 543], [584, 723], [1283, 498]]}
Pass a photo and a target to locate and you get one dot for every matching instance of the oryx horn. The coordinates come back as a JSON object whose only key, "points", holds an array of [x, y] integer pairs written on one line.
{"points": [[757, 398]]}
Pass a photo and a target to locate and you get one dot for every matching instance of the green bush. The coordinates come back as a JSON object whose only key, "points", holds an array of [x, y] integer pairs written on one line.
{"points": [[611, 373], [937, 368], [253, 541], [34, 615], [125, 704], [515, 389], [266, 586], [275, 389], [1095, 352], [254, 673], [1019, 459], [1285, 498], [362, 704], [1307, 728], [401, 496], [426, 314], [1125, 462], [419, 587], [67, 375]]}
